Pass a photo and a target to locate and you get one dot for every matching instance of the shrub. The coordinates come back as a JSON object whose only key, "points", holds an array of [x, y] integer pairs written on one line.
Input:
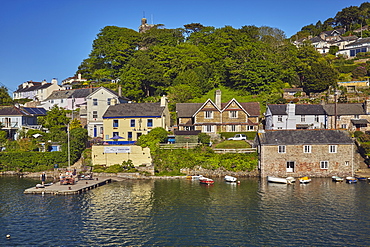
{"points": [[358, 133]]}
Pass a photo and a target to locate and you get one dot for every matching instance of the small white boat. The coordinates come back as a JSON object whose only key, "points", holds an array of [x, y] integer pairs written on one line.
{"points": [[304, 180], [351, 180], [287, 180], [194, 177], [337, 179], [230, 179]]}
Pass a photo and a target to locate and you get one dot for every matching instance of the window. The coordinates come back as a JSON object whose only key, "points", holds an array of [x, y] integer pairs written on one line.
{"points": [[132, 123], [306, 149], [52, 101], [332, 148], [129, 136], [250, 127], [324, 164], [106, 137], [115, 134], [316, 118], [95, 101], [303, 118], [150, 123], [208, 114], [279, 128], [357, 116], [95, 114], [344, 126], [338, 117], [61, 101], [207, 128], [281, 149], [280, 118], [108, 101], [233, 114], [115, 123], [233, 128], [346, 163], [101, 130]]}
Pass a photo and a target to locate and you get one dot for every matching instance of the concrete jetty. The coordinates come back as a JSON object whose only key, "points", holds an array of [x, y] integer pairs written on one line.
{"points": [[79, 187]]}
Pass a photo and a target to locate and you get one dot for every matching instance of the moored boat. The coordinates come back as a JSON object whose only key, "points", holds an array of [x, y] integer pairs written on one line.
{"points": [[304, 180], [360, 178], [351, 180], [287, 180], [230, 179], [337, 179], [194, 177], [204, 180]]}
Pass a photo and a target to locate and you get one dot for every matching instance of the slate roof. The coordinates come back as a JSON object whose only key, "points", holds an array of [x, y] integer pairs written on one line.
{"points": [[37, 86], [65, 94], [359, 42], [345, 109], [300, 109], [304, 137], [22, 111], [298, 89], [134, 110]]}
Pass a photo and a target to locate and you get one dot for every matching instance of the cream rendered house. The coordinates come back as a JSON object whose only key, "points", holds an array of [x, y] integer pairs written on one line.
{"points": [[36, 90], [129, 121], [96, 104]]}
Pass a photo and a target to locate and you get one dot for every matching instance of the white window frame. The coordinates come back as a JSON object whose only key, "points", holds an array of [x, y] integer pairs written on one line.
{"points": [[357, 116], [281, 149], [307, 149], [95, 101], [95, 114], [233, 128], [303, 118], [208, 114], [333, 149], [324, 164], [344, 126], [280, 118], [317, 118], [208, 128], [233, 114], [346, 163]]}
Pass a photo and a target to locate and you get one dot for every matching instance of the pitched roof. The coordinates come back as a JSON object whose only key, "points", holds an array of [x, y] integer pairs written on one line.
{"points": [[76, 93], [345, 109], [36, 86], [134, 110], [187, 110], [300, 109], [21, 111], [359, 42], [302, 137]]}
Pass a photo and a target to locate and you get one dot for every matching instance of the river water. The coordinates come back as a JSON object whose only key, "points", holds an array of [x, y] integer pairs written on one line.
{"points": [[185, 213]]}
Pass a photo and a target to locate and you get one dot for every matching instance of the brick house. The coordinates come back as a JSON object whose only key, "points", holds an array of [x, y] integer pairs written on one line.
{"points": [[315, 153], [214, 117]]}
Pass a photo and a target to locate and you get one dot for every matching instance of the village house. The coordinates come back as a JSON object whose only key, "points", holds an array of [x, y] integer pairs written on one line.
{"points": [[37, 91], [291, 93], [97, 102], [351, 50], [354, 116], [296, 153], [294, 116], [354, 86], [214, 117], [70, 81], [14, 119], [125, 123]]}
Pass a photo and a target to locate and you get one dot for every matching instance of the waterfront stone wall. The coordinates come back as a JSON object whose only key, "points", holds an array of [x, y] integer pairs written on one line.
{"points": [[340, 163]]}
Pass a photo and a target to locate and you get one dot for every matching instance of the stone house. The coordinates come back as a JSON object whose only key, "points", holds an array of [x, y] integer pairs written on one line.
{"points": [[291, 93], [315, 153], [294, 116], [129, 121], [214, 117], [354, 116]]}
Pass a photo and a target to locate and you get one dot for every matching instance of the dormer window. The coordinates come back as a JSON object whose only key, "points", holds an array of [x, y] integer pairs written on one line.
{"points": [[233, 114]]}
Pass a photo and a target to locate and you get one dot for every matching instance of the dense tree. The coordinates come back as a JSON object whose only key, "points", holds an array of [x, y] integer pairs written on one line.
{"points": [[5, 99], [347, 17], [55, 117]]}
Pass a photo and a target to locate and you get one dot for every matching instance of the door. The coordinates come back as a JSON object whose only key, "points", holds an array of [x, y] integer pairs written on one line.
{"points": [[95, 131], [290, 166]]}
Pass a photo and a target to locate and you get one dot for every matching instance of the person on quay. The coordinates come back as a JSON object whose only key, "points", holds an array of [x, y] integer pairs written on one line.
{"points": [[43, 178]]}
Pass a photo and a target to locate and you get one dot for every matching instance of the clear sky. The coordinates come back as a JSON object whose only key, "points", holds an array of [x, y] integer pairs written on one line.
{"points": [[45, 39]]}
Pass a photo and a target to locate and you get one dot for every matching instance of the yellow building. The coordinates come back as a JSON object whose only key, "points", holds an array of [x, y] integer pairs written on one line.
{"points": [[353, 86], [128, 121]]}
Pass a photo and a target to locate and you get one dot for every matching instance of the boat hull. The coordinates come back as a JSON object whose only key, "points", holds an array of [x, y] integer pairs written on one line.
{"points": [[279, 180], [351, 180], [230, 179]]}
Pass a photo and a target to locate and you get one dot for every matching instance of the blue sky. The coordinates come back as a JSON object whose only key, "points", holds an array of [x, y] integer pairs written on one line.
{"points": [[45, 39]]}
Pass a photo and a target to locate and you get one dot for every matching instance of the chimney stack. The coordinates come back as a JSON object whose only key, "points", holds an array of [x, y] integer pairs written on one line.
{"points": [[218, 98]]}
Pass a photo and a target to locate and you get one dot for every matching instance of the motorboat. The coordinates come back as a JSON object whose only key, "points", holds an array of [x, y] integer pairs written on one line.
{"points": [[304, 180], [351, 180], [337, 179], [230, 179], [204, 180], [287, 180], [194, 177]]}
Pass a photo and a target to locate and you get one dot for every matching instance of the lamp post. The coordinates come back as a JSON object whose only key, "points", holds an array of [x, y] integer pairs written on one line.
{"points": [[69, 148]]}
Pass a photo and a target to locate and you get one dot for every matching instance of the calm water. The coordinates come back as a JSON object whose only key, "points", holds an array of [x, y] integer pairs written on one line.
{"points": [[182, 212]]}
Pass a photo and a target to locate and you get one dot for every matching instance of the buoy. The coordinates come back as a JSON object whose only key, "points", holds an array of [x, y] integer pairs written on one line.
{"points": [[238, 182], [43, 193], [8, 236]]}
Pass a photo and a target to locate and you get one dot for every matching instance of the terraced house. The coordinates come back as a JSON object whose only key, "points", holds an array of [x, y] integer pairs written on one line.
{"points": [[214, 117]]}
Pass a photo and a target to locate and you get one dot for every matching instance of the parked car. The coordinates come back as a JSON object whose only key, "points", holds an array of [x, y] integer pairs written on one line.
{"points": [[238, 137]]}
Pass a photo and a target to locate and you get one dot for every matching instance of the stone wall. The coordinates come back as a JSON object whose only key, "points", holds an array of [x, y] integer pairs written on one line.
{"points": [[340, 163]]}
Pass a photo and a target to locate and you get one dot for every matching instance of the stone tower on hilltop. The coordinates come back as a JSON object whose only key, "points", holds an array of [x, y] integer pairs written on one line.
{"points": [[144, 26]]}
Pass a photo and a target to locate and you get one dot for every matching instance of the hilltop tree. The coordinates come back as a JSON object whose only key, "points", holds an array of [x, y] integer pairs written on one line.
{"points": [[5, 99]]}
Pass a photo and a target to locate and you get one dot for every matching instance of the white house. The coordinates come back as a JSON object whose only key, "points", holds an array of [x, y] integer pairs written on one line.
{"points": [[295, 116], [37, 91]]}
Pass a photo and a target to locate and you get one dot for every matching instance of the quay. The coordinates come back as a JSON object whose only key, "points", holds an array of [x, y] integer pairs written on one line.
{"points": [[79, 187]]}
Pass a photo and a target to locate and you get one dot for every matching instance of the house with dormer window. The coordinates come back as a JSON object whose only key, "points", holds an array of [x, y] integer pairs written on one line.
{"points": [[214, 117]]}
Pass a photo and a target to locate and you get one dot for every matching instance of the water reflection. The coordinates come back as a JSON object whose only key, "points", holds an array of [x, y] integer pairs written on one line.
{"points": [[185, 213]]}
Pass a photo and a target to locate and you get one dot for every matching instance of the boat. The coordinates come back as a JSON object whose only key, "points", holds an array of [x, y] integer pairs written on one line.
{"points": [[351, 180], [194, 177], [361, 178], [230, 179], [304, 180], [337, 179], [287, 180], [204, 180]]}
